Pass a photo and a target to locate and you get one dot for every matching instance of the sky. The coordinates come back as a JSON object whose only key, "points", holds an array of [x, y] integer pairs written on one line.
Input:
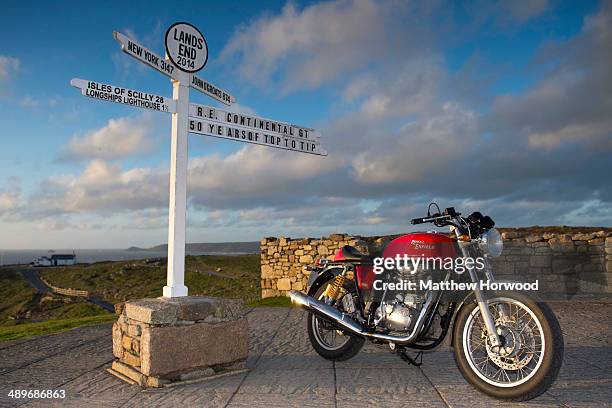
{"points": [[500, 107]]}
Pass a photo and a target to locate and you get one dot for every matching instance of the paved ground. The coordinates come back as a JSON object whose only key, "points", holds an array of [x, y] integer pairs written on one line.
{"points": [[286, 372]]}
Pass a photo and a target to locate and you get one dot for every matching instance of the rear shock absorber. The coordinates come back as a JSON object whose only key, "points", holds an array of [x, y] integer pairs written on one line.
{"points": [[335, 289]]}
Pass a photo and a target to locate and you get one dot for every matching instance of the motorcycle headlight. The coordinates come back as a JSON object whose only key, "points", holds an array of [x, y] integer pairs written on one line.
{"points": [[491, 241]]}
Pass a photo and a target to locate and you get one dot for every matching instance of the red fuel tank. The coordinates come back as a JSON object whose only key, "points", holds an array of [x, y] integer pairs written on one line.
{"points": [[416, 245], [422, 244]]}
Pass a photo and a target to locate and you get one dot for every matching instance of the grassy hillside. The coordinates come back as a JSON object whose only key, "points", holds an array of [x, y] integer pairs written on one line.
{"points": [[25, 313], [15, 294], [226, 276]]}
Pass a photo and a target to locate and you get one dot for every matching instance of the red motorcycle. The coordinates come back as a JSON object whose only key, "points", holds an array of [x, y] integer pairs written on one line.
{"points": [[505, 344]]}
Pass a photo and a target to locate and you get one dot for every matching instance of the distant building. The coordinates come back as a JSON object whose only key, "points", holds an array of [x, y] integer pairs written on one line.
{"points": [[42, 261], [56, 260]]}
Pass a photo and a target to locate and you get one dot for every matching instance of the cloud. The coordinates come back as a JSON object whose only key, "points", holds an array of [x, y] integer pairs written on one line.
{"points": [[118, 138], [8, 201], [310, 47], [103, 188], [252, 176], [31, 102], [408, 140], [506, 12], [8, 66], [525, 9], [572, 105], [406, 129], [424, 149]]}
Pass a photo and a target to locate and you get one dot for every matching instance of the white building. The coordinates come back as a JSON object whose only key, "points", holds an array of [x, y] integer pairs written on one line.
{"points": [[42, 261], [56, 260]]}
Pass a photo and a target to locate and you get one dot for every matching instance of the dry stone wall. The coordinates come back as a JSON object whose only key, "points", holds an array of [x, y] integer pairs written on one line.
{"points": [[283, 259], [579, 262]]}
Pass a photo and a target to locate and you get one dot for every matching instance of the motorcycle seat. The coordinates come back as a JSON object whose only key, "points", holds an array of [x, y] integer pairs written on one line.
{"points": [[349, 253]]}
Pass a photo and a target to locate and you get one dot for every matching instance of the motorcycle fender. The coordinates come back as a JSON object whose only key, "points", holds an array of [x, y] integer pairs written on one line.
{"points": [[318, 278]]}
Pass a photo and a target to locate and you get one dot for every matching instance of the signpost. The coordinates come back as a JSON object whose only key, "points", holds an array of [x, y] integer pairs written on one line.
{"points": [[187, 53]]}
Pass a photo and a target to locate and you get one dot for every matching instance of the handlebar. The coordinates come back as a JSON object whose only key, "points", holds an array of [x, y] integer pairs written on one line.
{"points": [[448, 214], [432, 218]]}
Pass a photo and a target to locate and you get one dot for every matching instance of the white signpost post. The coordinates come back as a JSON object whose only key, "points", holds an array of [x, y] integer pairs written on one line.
{"points": [[187, 53]]}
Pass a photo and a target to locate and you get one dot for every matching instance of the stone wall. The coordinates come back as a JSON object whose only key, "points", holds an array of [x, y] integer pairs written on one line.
{"points": [[283, 259], [565, 260], [567, 263]]}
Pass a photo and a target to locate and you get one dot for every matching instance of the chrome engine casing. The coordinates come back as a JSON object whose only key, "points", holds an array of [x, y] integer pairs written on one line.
{"points": [[398, 311]]}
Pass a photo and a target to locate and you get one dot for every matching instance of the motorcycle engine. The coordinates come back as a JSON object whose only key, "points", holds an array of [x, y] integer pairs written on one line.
{"points": [[399, 310], [398, 314]]}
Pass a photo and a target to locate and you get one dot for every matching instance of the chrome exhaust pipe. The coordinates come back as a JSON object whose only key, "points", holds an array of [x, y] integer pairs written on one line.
{"points": [[347, 323]]}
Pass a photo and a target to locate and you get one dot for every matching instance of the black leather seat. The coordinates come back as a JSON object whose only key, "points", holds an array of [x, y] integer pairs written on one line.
{"points": [[352, 254]]}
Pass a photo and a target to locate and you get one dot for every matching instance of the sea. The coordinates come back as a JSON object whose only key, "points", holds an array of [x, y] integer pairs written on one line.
{"points": [[13, 257]]}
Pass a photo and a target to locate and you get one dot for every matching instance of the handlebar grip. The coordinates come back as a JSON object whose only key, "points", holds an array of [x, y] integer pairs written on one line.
{"points": [[415, 221]]}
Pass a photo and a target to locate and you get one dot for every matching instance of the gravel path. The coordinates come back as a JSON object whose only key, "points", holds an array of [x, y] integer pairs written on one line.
{"points": [[286, 372]]}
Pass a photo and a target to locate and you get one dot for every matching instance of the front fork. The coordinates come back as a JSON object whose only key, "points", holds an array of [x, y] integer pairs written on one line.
{"points": [[481, 298]]}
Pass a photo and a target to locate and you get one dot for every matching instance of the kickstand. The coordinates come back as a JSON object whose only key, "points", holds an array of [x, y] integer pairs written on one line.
{"points": [[416, 361]]}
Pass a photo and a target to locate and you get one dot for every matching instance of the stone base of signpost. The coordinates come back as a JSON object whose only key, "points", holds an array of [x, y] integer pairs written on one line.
{"points": [[165, 340]]}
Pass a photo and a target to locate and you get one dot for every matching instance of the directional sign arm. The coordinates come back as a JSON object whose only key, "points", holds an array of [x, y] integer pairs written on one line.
{"points": [[145, 55], [126, 96], [211, 90], [255, 123], [215, 129]]}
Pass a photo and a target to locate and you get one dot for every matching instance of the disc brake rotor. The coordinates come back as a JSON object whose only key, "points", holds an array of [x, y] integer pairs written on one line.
{"points": [[517, 346]]}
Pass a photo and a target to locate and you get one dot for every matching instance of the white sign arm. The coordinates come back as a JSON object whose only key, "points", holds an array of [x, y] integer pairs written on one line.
{"points": [[242, 134], [145, 55], [211, 90], [252, 122], [126, 96]]}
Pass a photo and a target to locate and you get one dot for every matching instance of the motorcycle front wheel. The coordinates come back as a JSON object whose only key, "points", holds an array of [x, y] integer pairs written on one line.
{"points": [[531, 352]]}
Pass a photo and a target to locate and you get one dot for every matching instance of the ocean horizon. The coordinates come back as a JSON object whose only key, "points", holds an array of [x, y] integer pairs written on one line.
{"points": [[25, 256]]}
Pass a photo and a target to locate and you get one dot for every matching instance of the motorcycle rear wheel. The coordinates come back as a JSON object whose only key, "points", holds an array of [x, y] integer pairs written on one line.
{"points": [[532, 351], [329, 342]]}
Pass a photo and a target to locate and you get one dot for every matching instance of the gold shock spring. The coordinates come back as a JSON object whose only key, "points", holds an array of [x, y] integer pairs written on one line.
{"points": [[335, 288]]}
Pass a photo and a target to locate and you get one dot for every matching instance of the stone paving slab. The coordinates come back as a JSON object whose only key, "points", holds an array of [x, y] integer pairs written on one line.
{"points": [[286, 372], [46, 346]]}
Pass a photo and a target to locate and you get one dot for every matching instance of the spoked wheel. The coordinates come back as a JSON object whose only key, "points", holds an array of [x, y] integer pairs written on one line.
{"points": [[529, 357], [327, 340], [327, 336]]}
